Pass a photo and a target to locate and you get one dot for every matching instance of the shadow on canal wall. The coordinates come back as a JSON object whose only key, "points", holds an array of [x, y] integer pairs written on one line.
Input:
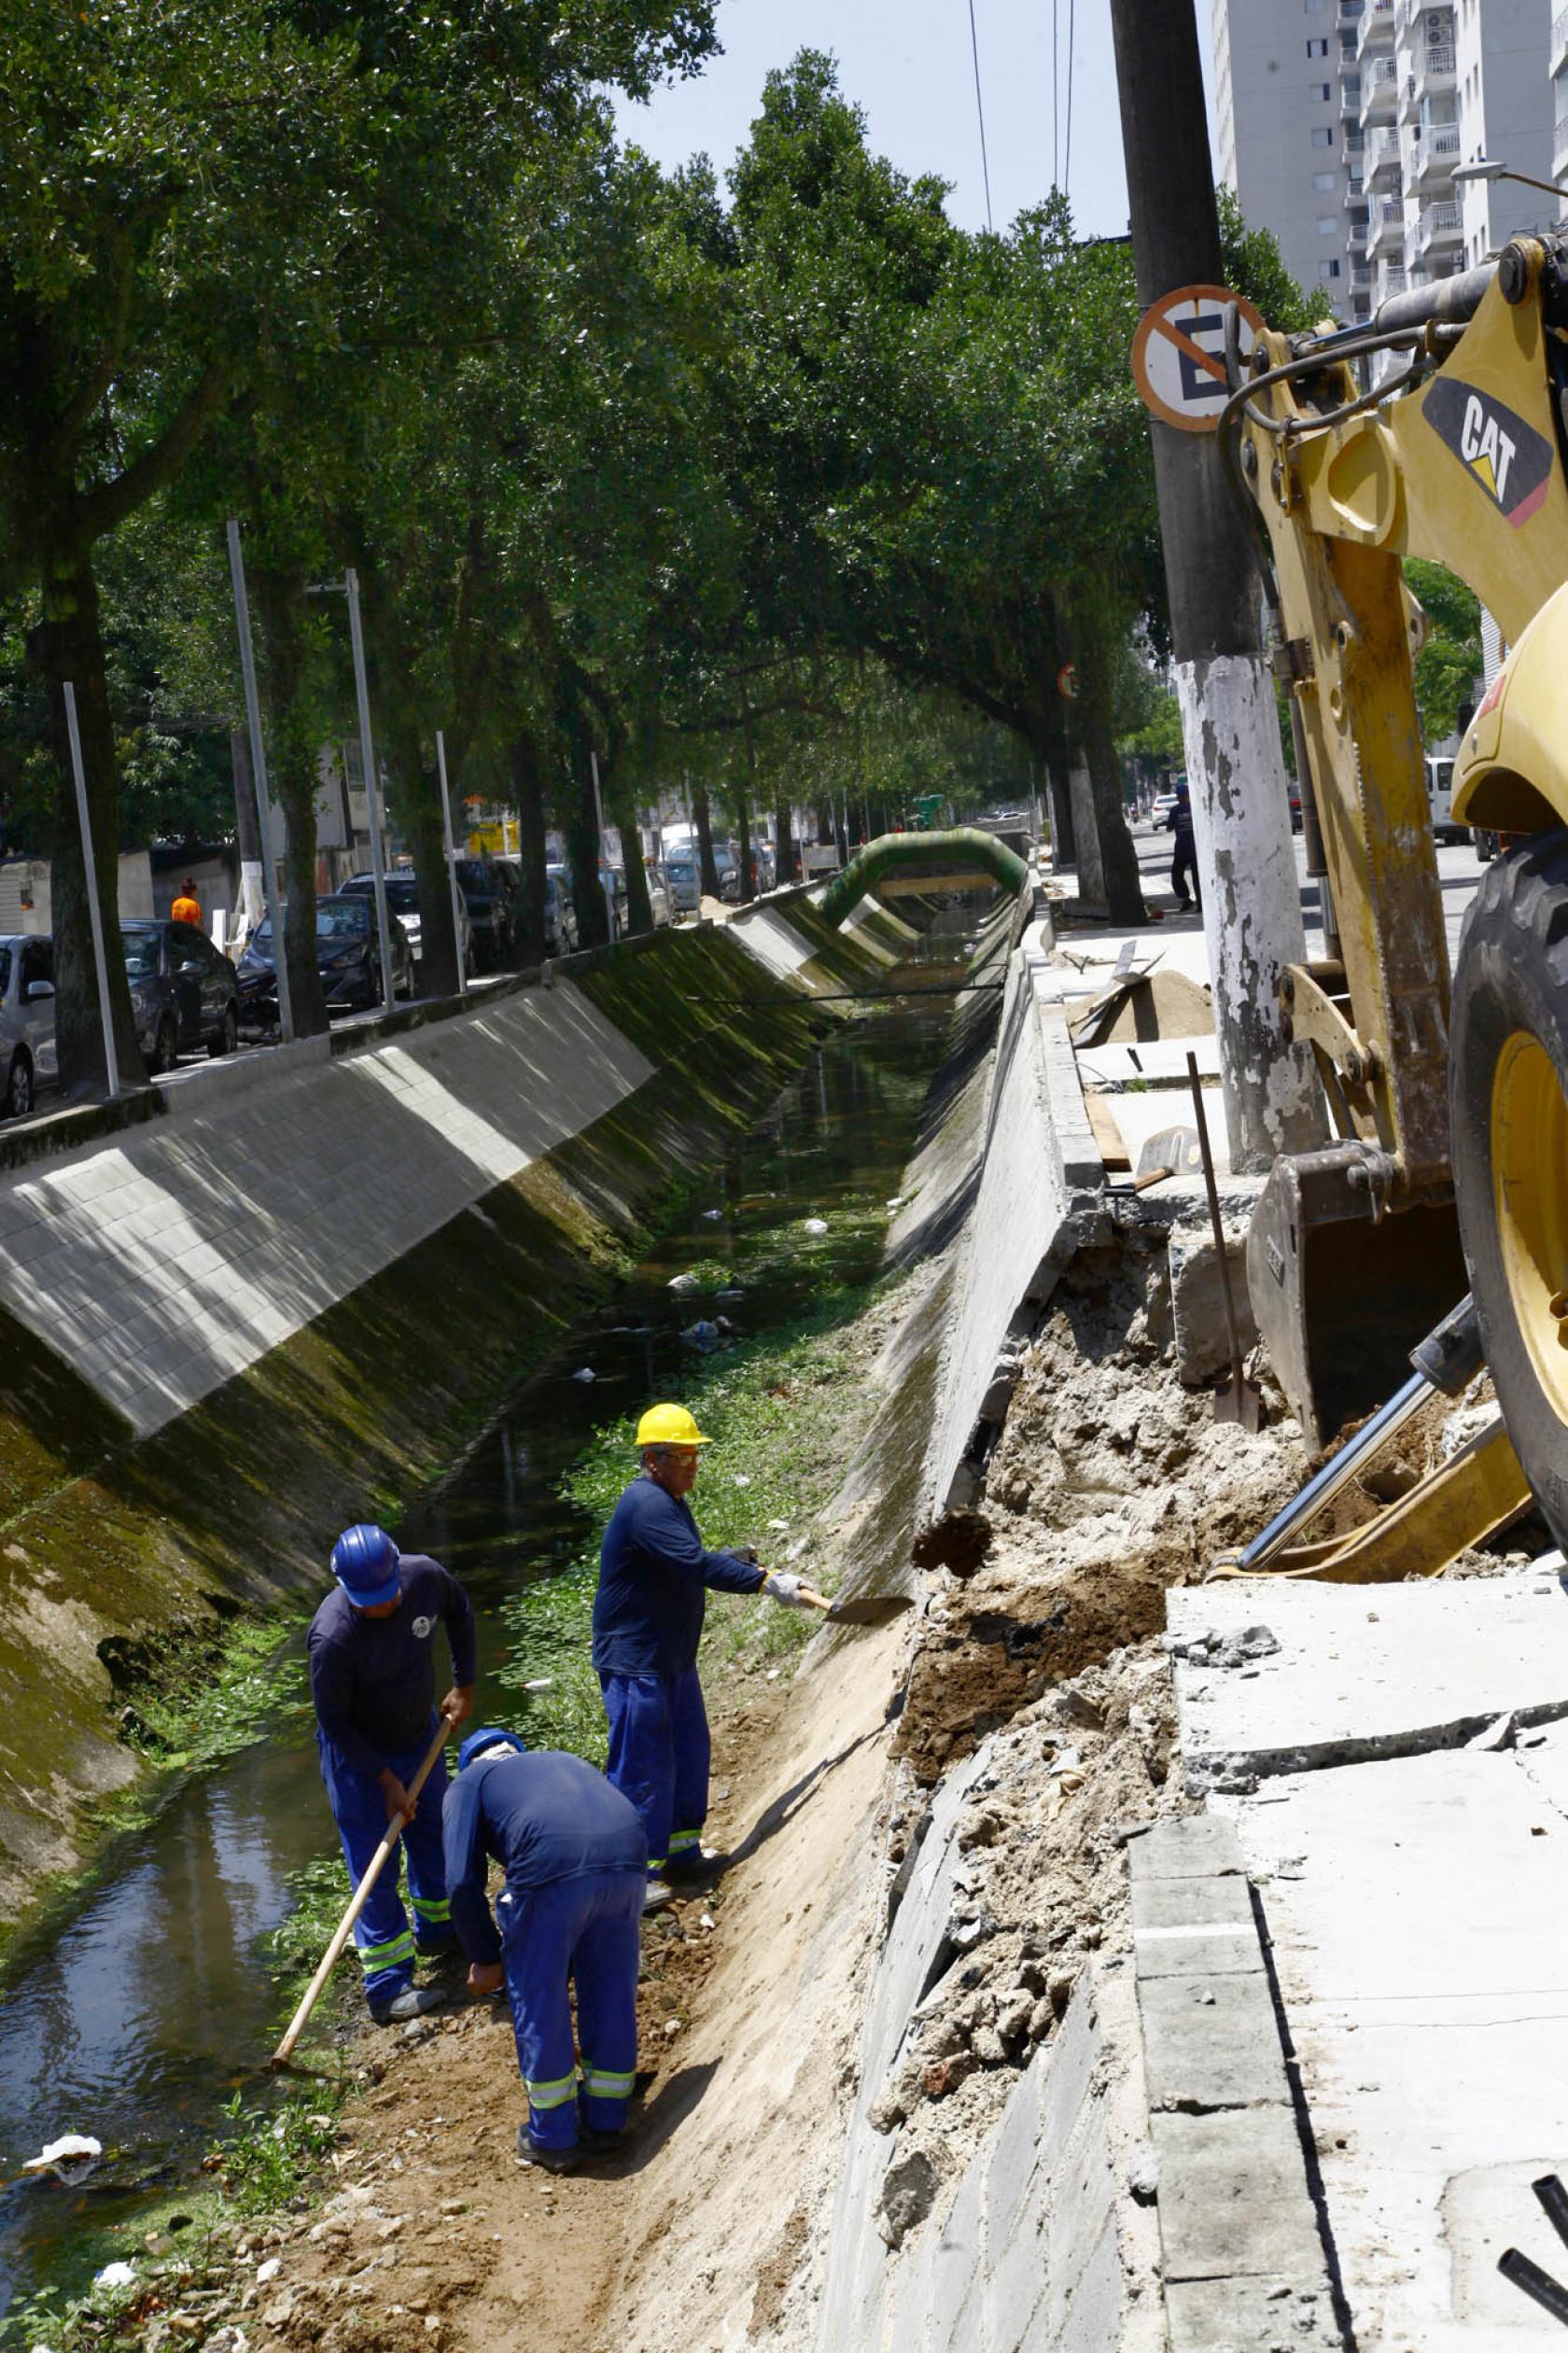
{"points": [[123, 1554]]}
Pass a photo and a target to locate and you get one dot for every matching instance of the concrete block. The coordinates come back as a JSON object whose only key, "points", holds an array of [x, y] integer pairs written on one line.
{"points": [[1366, 1672], [1194, 1928], [1089, 2316], [1241, 2316], [1197, 1846], [1198, 1303], [1211, 2042], [957, 2270], [1070, 2075], [1014, 2288], [1233, 2196], [1015, 2153]]}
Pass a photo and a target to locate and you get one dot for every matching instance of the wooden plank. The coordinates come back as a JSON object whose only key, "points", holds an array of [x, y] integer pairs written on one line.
{"points": [[1107, 1135]]}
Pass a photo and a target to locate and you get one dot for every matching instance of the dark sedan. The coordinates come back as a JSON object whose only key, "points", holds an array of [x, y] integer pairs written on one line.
{"points": [[184, 993], [347, 956], [490, 892]]}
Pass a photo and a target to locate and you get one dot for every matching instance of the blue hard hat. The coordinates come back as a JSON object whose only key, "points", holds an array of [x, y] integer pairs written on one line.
{"points": [[365, 1563], [492, 1737]]}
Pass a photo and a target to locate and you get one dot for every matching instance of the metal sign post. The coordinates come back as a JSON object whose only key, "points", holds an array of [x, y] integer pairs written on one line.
{"points": [[607, 880], [452, 883], [95, 915], [258, 775], [373, 795]]}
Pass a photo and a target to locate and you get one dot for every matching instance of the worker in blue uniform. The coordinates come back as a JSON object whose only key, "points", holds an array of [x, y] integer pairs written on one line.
{"points": [[654, 1574], [372, 1649], [575, 1859]]}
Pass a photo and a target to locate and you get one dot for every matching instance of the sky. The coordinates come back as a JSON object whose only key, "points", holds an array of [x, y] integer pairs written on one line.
{"points": [[908, 65]]}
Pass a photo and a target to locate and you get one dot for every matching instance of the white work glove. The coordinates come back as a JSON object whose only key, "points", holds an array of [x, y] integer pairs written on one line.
{"points": [[780, 1585]]}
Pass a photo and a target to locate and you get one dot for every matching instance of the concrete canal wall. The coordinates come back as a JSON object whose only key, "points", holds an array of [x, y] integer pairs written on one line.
{"points": [[284, 1292]]}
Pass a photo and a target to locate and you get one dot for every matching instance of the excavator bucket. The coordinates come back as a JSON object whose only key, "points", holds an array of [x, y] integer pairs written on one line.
{"points": [[1338, 1294]]}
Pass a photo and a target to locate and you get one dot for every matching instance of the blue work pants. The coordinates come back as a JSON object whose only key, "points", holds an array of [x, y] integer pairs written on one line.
{"points": [[586, 1930], [659, 1755], [382, 1934]]}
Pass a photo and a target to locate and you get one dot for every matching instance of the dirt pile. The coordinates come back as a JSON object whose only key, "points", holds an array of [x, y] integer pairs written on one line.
{"points": [[1109, 1482]]}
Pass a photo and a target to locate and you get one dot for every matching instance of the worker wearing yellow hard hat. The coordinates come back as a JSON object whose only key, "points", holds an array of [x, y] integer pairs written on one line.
{"points": [[654, 1574]]}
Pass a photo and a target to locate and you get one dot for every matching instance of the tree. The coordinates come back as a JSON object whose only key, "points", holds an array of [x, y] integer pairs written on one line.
{"points": [[1448, 664]]}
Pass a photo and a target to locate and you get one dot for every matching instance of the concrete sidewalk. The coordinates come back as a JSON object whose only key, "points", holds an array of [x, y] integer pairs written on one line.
{"points": [[1407, 1832]]}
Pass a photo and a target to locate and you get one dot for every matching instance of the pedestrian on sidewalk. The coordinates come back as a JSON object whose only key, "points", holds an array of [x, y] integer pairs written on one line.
{"points": [[187, 907], [655, 1573], [372, 1649], [570, 1915], [1184, 865]]}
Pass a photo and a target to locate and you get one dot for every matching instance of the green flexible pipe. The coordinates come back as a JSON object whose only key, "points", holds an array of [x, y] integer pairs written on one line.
{"points": [[963, 850]]}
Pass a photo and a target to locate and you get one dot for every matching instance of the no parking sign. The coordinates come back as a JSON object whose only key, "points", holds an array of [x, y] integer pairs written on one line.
{"points": [[1178, 353]]}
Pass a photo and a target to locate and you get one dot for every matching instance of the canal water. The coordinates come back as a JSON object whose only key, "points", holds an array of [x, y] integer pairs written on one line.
{"points": [[156, 2002]]}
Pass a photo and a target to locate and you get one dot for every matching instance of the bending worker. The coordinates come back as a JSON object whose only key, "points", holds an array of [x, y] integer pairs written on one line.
{"points": [[648, 1622], [575, 1861], [372, 1647]]}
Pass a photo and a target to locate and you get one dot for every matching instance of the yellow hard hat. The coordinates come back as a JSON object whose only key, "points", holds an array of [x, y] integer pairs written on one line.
{"points": [[668, 1425]]}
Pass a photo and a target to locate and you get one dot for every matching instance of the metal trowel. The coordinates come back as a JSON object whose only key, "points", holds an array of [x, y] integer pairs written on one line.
{"points": [[875, 1609]]}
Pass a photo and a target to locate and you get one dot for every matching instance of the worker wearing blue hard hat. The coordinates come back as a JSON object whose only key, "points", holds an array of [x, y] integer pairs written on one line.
{"points": [[372, 1649], [575, 1858]]}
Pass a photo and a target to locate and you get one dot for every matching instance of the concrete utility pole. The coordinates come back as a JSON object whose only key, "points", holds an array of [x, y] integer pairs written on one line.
{"points": [[1246, 859]]}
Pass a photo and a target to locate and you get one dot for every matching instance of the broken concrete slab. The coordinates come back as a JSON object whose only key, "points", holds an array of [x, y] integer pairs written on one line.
{"points": [[1199, 1846], [1231, 2316], [1197, 1301], [1365, 1672]]}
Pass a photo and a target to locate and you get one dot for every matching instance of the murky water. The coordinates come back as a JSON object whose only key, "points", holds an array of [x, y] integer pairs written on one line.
{"points": [[156, 2002]]}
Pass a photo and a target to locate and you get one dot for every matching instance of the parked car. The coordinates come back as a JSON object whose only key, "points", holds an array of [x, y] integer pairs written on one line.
{"points": [[27, 1054], [490, 888], [727, 868], [1164, 803], [347, 956], [1439, 792], [560, 914], [683, 883], [402, 901], [659, 897], [184, 993]]}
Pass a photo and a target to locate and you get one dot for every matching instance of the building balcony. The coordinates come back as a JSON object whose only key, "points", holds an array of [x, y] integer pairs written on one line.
{"points": [[1376, 29], [1350, 98], [1432, 72], [1389, 280], [1560, 144], [1385, 230], [1380, 91], [1382, 157], [1355, 236], [1361, 277], [1440, 225], [1557, 56], [1435, 152]]}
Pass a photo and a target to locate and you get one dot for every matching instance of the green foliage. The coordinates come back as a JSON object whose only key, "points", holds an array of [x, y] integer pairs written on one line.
{"points": [[269, 2153], [192, 1711], [1449, 666]]}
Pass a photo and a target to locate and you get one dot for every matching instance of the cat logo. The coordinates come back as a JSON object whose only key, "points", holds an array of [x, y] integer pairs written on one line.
{"points": [[1507, 458]]}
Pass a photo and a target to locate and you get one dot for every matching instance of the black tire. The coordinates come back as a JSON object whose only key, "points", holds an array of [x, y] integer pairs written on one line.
{"points": [[1508, 1110], [227, 1038], [20, 1092], [165, 1046]]}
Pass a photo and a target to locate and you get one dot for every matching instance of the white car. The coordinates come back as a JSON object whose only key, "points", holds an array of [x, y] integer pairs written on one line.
{"points": [[27, 1052]]}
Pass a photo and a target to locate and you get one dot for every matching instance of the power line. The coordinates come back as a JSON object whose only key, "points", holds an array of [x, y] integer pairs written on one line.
{"points": [[1067, 165], [980, 110]]}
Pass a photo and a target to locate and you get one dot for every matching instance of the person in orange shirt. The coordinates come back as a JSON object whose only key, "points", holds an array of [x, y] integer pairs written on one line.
{"points": [[187, 907]]}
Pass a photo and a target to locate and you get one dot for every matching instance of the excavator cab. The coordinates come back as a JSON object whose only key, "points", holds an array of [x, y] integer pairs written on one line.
{"points": [[1435, 429]]}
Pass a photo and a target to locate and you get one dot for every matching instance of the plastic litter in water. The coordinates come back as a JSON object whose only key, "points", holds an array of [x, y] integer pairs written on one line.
{"points": [[584, 1372], [71, 2157], [712, 1214], [682, 1283]]}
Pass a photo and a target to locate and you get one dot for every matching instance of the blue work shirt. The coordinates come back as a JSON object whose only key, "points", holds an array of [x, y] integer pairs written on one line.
{"points": [[544, 1816], [653, 1574], [373, 1679]]}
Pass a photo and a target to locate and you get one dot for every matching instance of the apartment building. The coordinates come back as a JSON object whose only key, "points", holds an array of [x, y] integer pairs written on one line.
{"points": [[1341, 122]]}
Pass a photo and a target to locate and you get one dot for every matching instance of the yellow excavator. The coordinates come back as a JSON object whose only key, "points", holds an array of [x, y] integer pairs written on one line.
{"points": [[1439, 429]]}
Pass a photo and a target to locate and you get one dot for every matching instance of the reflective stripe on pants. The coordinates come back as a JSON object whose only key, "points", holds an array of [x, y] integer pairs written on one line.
{"points": [[659, 1756], [382, 1935], [583, 1932]]}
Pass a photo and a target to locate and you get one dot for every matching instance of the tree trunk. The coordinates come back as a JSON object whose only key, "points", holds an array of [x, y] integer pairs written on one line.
{"points": [[827, 833], [527, 786], [583, 835], [784, 840], [639, 907], [747, 872], [416, 796], [291, 767], [1124, 889], [702, 818], [67, 644]]}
